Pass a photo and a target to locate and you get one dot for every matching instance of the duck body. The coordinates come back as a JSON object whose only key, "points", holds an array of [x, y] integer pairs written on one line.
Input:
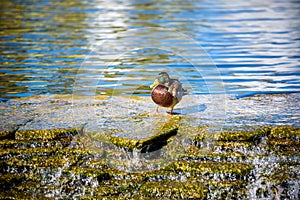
{"points": [[166, 92], [161, 96]]}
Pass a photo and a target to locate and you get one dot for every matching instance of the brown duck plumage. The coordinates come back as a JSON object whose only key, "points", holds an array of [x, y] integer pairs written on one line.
{"points": [[166, 92]]}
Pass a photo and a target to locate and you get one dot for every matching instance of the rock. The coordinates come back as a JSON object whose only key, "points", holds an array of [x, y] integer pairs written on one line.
{"points": [[110, 150]]}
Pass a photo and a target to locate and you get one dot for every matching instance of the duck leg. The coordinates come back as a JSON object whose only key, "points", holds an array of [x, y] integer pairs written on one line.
{"points": [[156, 110], [171, 111]]}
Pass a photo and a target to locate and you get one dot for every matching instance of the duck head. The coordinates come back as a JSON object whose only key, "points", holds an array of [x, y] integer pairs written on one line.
{"points": [[163, 78]]}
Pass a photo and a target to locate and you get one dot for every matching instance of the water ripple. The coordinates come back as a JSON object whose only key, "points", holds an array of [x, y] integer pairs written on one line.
{"points": [[254, 44]]}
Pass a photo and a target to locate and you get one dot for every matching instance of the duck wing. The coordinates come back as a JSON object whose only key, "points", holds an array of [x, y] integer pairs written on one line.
{"points": [[176, 89]]}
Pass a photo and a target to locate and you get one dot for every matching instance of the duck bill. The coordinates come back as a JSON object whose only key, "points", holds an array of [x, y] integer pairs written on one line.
{"points": [[155, 83]]}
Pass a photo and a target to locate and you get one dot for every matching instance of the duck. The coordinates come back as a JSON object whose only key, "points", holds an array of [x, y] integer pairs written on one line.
{"points": [[166, 92]]}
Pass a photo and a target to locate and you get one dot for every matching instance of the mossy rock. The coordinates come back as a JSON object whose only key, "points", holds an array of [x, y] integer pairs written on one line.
{"points": [[196, 167], [284, 138], [18, 195], [9, 181], [282, 180], [230, 135], [117, 187], [250, 136], [152, 143], [7, 134], [149, 144], [87, 171], [229, 145], [45, 134], [9, 144], [174, 189], [285, 132], [195, 153], [23, 144], [28, 152], [25, 159]]}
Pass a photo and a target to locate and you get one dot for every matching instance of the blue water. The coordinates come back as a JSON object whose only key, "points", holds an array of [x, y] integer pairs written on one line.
{"points": [[253, 45]]}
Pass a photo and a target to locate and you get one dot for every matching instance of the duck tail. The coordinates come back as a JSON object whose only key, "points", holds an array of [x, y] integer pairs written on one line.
{"points": [[184, 92]]}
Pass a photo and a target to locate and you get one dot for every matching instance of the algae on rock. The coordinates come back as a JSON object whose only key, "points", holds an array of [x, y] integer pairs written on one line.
{"points": [[52, 163]]}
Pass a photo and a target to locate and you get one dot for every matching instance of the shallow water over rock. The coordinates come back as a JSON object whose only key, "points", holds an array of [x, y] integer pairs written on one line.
{"points": [[55, 147]]}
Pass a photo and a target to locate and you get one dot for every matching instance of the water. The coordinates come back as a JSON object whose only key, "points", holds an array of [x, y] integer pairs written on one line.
{"points": [[91, 48], [254, 45]]}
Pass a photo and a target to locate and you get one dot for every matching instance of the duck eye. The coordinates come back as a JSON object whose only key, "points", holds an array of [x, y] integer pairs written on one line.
{"points": [[161, 79]]}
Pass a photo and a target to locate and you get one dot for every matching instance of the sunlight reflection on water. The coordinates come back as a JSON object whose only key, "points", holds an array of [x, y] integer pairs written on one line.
{"points": [[254, 44]]}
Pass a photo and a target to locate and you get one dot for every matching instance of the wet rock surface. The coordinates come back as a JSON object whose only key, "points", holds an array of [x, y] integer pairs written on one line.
{"points": [[53, 147]]}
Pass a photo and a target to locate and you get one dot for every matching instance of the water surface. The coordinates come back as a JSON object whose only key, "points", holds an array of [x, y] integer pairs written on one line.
{"points": [[254, 44]]}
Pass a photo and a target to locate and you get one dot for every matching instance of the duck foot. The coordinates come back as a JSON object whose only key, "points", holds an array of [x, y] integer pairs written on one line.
{"points": [[156, 111]]}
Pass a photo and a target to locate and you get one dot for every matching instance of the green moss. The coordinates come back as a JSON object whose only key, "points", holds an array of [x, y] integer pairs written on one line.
{"points": [[107, 190], [198, 133], [7, 143], [9, 134], [229, 145], [196, 167], [43, 157], [28, 152], [9, 181], [20, 195], [229, 135], [285, 132], [153, 142], [244, 135], [90, 172], [284, 144], [124, 142], [29, 157], [45, 134], [174, 189], [283, 171], [31, 187], [284, 138], [117, 187]]}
